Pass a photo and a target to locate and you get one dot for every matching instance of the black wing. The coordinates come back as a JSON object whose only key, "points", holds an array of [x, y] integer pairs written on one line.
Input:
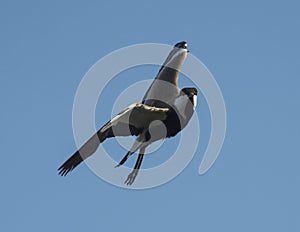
{"points": [[131, 121]]}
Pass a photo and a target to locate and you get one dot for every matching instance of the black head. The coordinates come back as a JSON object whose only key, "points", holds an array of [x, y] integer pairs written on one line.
{"points": [[182, 44]]}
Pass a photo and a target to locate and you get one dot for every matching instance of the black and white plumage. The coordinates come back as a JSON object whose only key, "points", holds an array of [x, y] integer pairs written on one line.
{"points": [[173, 108], [165, 88], [177, 117], [130, 121]]}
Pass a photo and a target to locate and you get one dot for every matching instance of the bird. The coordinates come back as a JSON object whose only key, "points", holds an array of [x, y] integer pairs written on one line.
{"points": [[136, 120], [177, 117], [165, 88], [160, 115]]}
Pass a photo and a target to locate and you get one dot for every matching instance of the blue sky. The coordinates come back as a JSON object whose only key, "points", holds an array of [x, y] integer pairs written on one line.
{"points": [[252, 49]]}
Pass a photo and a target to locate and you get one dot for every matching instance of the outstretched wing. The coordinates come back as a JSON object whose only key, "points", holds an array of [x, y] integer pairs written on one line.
{"points": [[130, 121]]}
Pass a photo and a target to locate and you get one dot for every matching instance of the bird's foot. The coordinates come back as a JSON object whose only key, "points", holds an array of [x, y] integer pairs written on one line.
{"points": [[131, 177]]}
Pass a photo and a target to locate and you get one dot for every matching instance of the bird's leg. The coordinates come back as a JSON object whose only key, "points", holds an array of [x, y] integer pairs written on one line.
{"points": [[137, 145], [124, 159], [131, 177]]}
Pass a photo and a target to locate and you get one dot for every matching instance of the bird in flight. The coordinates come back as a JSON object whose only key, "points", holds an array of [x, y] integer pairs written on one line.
{"points": [[164, 111]]}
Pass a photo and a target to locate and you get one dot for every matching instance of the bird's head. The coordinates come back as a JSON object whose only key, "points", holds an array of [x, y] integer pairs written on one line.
{"points": [[176, 56], [182, 45]]}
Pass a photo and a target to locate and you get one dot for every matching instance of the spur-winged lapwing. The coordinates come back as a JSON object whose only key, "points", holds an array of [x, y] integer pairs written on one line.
{"points": [[172, 107]]}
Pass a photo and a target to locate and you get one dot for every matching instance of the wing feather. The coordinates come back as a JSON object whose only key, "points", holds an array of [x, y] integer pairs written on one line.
{"points": [[131, 121]]}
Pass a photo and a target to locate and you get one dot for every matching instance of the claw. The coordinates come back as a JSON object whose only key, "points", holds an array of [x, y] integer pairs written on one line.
{"points": [[131, 177]]}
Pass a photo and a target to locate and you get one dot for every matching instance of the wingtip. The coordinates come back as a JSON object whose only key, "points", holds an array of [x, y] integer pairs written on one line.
{"points": [[63, 171], [70, 164]]}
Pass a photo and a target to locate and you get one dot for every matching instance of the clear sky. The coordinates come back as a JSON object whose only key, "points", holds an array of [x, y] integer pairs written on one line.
{"points": [[251, 48]]}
